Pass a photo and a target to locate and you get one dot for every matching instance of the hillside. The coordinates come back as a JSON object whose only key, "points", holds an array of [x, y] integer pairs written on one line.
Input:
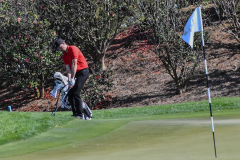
{"points": [[140, 79]]}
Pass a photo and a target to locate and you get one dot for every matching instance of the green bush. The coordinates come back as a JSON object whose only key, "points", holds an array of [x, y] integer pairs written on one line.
{"points": [[94, 89]]}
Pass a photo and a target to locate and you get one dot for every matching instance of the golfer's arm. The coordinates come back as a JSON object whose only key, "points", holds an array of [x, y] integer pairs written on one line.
{"points": [[68, 72], [74, 68]]}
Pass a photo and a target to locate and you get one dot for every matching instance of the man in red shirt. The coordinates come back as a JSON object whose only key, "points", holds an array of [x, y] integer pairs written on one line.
{"points": [[77, 69]]}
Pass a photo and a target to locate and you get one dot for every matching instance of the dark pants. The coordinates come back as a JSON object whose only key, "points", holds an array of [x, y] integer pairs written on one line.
{"points": [[74, 93]]}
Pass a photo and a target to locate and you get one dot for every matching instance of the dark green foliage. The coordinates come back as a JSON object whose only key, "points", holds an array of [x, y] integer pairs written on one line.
{"points": [[94, 89], [29, 29], [26, 44]]}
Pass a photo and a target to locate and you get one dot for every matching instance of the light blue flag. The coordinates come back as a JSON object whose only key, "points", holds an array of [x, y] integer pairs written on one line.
{"points": [[194, 24]]}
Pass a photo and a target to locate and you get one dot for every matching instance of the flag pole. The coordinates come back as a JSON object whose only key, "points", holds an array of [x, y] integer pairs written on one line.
{"points": [[194, 24], [209, 97]]}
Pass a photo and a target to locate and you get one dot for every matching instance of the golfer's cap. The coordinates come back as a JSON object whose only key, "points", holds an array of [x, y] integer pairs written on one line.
{"points": [[58, 42]]}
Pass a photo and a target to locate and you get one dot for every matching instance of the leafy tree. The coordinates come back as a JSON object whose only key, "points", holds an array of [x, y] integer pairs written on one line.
{"points": [[65, 18], [93, 25], [26, 44], [28, 30], [166, 23]]}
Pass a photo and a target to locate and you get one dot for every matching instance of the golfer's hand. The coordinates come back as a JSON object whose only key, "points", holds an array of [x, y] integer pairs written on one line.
{"points": [[71, 83]]}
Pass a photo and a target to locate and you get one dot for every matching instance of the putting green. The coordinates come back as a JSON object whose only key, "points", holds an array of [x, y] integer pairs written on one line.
{"points": [[132, 139]]}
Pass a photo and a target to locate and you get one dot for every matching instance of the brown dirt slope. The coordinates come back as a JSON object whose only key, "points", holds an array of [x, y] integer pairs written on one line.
{"points": [[141, 80]]}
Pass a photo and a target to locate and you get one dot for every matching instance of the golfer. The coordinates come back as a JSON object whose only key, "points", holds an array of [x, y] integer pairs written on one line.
{"points": [[77, 73]]}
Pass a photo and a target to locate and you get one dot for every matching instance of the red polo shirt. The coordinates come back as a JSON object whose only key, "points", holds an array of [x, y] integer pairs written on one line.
{"points": [[74, 53]]}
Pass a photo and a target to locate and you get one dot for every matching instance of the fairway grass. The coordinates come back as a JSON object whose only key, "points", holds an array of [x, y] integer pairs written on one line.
{"points": [[15, 126], [176, 136]]}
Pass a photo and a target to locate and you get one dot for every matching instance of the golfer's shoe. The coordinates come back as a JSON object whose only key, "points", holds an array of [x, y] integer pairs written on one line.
{"points": [[87, 118], [83, 116], [79, 117]]}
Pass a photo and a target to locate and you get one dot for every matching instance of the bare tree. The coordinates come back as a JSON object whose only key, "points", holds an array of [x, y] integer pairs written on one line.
{"points": [[229, 10], [167, 22]]}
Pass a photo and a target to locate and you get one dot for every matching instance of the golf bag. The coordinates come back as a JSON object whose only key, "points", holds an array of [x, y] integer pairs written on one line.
{"points": [[61, 88], [86, 111]]}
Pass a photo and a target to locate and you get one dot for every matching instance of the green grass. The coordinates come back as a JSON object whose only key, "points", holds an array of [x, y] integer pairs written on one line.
{"points": [[177, 131], [15, 126], [188, 107]]}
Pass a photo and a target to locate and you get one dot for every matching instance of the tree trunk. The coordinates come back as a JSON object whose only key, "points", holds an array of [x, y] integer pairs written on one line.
{"points": [[181, 89], [99, 61], [36, 92], [181, 85], [42, 86], [103, 66]]}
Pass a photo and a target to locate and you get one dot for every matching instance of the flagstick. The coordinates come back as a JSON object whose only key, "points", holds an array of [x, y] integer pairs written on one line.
{"points": [[209, 97], [194, 24]]}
